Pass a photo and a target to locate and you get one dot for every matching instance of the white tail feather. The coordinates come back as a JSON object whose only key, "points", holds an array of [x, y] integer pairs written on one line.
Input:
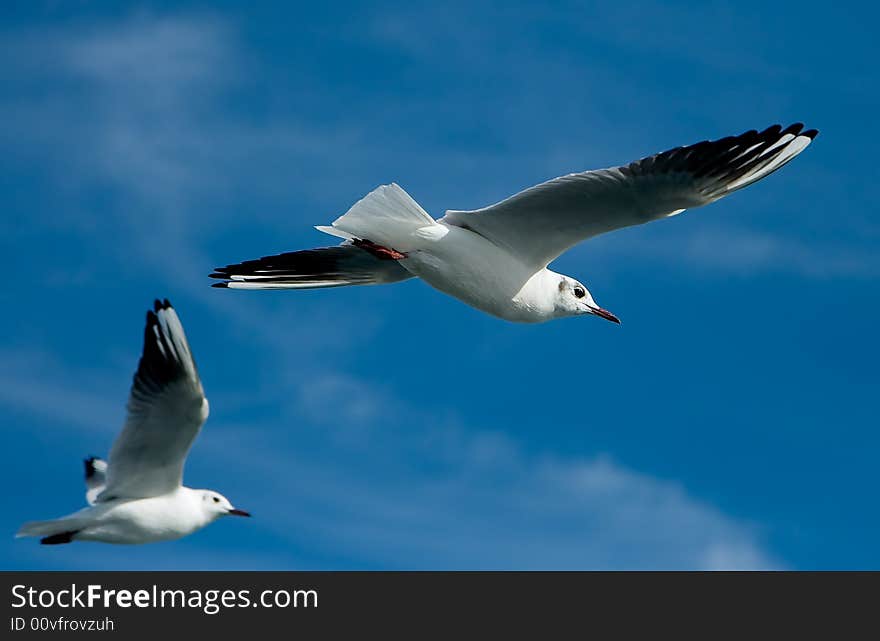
{"points": [[387, 216], [47, 528]]}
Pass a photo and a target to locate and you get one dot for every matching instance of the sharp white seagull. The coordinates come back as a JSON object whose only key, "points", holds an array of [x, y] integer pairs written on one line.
{"points": [[137, 496], [496, 258]]}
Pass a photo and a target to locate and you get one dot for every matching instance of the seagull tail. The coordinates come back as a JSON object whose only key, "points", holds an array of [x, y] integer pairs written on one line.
{"points": [[387, 217], [42, 528], [52, 528]]}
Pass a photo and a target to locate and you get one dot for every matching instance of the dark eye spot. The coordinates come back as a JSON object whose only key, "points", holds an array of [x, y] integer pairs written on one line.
{"points": [[579, 292], [216, 500]]}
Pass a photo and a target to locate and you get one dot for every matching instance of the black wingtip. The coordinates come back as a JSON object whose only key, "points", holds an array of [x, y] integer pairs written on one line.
{"points": [[160, 305], [217, 274], [810, 133], [220, 285], [90, 466]]}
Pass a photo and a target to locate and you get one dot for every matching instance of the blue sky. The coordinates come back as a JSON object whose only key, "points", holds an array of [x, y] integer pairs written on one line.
{"points": [[729, 422]]}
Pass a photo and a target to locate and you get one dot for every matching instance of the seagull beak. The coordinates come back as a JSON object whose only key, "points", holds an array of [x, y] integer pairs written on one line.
{"points": [[603, 313], [236, 512]]}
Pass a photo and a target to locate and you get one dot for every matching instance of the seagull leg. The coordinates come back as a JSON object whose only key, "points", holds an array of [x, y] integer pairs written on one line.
{"points": [[378, 251]]}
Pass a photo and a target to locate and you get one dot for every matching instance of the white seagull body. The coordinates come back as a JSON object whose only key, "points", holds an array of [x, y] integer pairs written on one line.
{"points": [[137, 496], [496, 258]]}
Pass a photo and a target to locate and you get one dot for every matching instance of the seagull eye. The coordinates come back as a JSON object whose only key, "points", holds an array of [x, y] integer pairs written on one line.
{"points": [[216, 500], [579, 292]]}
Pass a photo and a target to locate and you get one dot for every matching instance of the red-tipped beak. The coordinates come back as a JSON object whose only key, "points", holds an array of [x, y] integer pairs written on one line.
{"points": [[235, 512], [604, 313]]}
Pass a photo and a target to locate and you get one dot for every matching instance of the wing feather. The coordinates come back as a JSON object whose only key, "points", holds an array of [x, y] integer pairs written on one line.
{"points": [[166, 410], [542, 222], [338, 266]]}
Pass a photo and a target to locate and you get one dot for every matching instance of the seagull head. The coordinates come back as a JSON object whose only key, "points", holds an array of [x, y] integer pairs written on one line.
{"points": [[574, 299], [217, 505]]}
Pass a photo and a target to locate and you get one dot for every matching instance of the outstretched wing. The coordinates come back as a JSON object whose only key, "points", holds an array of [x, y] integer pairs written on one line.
{"points": [[544, 221], [166, 409], [345, 264]]}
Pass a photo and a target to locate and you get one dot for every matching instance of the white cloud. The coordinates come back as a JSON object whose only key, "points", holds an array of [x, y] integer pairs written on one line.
{"points": [[394, 487], [735, 250], [505, 510], [399, 487], [35, 383]]}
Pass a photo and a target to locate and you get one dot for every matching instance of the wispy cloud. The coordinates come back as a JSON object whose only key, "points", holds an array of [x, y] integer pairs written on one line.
{"points": [[470, 498], [496, 505], [36, 383], [728, 249], [144, 105], [742, 250]]}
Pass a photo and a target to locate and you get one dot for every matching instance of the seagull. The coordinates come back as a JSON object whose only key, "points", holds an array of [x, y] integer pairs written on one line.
{"points": [[137, 496], [496, 258]]}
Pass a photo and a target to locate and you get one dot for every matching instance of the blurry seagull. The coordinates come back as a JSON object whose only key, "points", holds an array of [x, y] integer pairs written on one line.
{"points": [[496, 258], [137, 496]]}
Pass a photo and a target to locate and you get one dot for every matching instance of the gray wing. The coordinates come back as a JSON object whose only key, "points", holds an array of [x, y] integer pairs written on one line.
{"points": [[544, 221], [96, 478], [345, 264], [166, 409]]}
